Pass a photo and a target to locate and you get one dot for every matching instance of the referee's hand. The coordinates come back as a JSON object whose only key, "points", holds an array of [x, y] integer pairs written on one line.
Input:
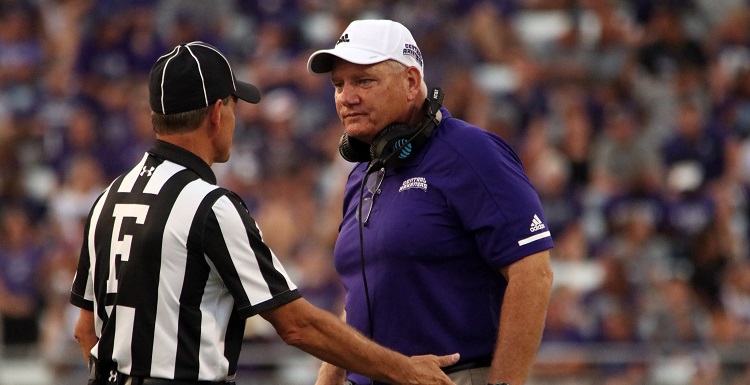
{"points": [[426, 370]]}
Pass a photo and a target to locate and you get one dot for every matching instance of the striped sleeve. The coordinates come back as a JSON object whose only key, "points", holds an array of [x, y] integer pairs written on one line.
{"points": [[82, 291], [250, 270]]}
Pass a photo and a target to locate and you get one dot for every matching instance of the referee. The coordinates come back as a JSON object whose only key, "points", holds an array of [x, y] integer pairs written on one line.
{"points": [[171, 264]]}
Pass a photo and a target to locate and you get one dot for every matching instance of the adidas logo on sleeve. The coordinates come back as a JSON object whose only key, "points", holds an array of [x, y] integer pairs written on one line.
{"points": [[536, 224]]}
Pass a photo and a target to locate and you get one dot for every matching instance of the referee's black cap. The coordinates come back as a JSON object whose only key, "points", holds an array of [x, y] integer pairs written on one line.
{"points": [[192, 76]]}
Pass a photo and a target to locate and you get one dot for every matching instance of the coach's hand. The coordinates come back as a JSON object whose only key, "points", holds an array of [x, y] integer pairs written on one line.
{"points": [[425, 370]]}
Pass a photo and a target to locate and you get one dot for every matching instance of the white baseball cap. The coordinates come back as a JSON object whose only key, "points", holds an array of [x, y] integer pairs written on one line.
{"points": [[370, 42]]}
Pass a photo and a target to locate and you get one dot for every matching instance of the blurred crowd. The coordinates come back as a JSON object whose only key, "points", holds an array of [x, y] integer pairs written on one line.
{"points": [[632, 119]]}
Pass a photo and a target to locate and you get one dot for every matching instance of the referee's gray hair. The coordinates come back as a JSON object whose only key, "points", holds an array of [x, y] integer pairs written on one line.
{"points": [[181, 122]]}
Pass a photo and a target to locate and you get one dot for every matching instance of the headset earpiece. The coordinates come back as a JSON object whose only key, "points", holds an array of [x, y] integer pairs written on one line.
{"points": [[354, 150], [397, 142], [390, 138]]}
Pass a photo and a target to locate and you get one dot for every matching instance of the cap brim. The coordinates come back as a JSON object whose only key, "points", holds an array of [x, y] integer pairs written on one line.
{"points": [[321, 61], [247, 92]]}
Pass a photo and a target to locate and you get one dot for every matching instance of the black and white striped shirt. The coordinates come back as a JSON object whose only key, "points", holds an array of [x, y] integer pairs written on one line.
{"points": [[171, 265]]}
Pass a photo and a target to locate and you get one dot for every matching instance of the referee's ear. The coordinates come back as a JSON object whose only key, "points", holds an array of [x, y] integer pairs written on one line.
{"points": [[214, 115]]}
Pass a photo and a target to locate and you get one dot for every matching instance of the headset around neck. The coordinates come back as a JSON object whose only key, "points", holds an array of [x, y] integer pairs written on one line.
{"points": [[397, 142]]}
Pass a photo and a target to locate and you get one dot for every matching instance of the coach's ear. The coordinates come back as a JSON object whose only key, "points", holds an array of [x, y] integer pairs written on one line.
{"points": [[413, 79]]}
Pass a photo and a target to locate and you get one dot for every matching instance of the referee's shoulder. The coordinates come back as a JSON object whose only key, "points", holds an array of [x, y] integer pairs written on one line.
{"points": [[232, 196]]}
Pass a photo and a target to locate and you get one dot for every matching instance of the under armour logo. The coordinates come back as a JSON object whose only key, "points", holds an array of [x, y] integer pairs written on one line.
{"points": [[343, 39], [147, 171], [112, 376]]}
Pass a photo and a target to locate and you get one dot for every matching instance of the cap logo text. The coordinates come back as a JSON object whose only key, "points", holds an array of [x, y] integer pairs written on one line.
{"points": [[343, 39], [413, 51]]}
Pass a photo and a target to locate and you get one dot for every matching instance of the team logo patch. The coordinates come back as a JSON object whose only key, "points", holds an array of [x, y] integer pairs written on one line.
{"points": [[418, 182], [536, 224]]}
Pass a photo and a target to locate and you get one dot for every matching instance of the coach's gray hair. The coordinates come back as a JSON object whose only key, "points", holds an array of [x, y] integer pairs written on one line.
{"points": [[400, 67]]}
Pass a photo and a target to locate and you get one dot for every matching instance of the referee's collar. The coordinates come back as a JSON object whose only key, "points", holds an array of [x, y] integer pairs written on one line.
{"points": [[181, 156]]}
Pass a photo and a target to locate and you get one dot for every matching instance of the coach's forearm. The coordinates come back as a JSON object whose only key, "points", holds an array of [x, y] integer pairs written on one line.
{"points": [[522, 319], [330, 374], [321, 334]]}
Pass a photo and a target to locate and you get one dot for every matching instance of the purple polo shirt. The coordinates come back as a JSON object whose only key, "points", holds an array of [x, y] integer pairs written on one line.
{"points": [[441, 227]]}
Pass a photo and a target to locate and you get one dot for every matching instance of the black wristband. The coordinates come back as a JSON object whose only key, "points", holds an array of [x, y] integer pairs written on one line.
{"points": [[498, 383]]}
